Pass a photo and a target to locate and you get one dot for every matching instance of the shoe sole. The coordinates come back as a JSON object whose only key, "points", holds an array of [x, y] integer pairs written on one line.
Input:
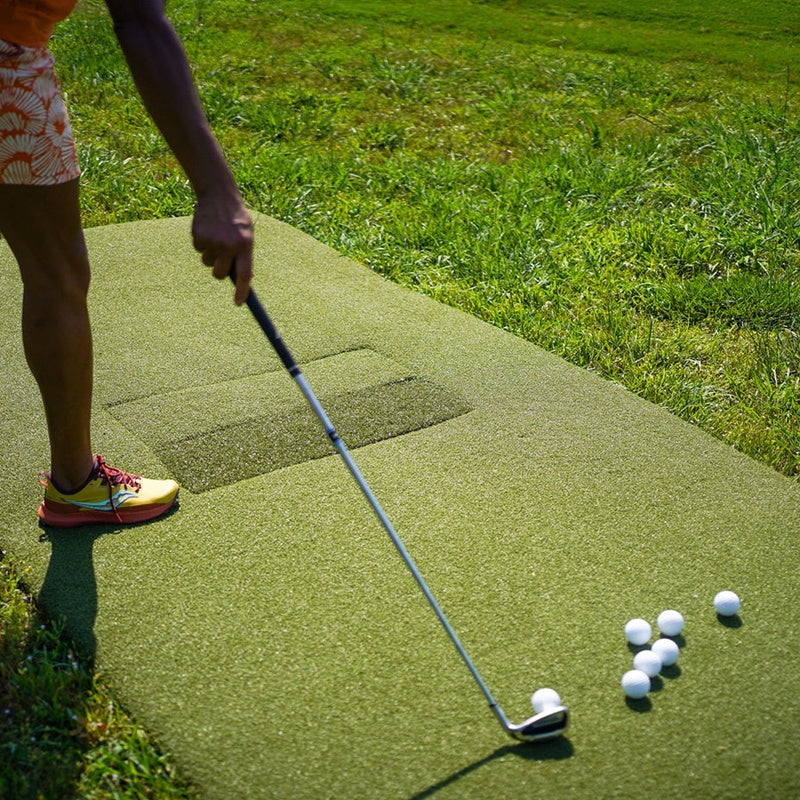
{"points": [[76, 517]]}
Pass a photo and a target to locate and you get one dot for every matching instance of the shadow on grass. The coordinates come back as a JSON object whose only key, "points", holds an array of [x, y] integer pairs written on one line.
{"points": [[58, 725], [47, 673], [555, 750]]}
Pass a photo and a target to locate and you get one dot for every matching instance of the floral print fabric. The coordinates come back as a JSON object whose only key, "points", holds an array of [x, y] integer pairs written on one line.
{"points": [[36, 143]]}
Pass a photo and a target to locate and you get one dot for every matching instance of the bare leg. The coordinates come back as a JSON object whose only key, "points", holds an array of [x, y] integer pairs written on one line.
{"points": [[42, 226]]}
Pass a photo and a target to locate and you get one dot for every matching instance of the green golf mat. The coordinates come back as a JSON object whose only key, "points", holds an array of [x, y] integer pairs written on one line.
{"points": [[268, 634]]}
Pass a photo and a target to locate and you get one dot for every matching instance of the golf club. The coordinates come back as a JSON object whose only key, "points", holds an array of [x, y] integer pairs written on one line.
{"points": [[547, 724]]}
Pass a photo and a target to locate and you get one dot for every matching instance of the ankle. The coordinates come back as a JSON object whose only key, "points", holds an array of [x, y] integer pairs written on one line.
{"points": [[69, 479]]}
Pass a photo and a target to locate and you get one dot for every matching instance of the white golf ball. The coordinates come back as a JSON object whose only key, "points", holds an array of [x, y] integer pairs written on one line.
{"points": [[670, 622], [667, 650], [636, 683], [638, 631], [542, 699], [727, 603], [648, 662]]}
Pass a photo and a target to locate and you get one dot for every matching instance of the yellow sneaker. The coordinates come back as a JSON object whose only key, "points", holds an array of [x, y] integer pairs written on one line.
{"points": [[109, 495]]}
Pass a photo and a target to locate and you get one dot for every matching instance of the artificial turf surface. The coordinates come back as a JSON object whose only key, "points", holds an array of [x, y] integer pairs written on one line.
{"points": [[268, 634]]}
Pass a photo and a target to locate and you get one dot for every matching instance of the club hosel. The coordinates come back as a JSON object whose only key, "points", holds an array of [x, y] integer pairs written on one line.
{"points": [[501, 717]]}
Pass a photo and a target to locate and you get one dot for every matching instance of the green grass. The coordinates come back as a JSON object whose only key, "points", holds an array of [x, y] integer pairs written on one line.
{"points": [[615, 182]]}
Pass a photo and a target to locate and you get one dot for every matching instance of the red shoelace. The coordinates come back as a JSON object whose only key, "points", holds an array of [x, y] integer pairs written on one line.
{"points": [[116, 477]]}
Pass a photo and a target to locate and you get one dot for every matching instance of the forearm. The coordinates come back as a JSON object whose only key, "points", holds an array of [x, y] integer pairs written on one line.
{"points": [[160, 70], [222, 230]]}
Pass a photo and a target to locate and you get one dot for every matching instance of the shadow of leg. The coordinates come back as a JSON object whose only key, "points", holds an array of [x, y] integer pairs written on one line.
{"points": [[69, 591]]}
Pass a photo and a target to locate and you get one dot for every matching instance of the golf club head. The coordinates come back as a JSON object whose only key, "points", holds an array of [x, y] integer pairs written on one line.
{"points": [[546, 724]]}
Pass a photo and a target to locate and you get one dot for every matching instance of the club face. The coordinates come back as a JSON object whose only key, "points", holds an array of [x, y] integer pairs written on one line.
{"points": [[545, 725]]}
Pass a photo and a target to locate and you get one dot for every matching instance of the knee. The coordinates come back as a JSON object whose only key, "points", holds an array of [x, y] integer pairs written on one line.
{"points": [[56, 274]]}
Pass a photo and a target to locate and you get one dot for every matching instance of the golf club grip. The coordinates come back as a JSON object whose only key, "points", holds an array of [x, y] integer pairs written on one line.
{"points": [[262, 318], [259, 312]]}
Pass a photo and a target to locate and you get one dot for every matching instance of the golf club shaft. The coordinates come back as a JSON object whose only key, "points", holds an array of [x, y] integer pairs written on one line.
{"points": [[261, 316]]}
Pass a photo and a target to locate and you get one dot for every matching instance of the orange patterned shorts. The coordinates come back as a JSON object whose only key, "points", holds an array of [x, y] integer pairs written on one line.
{"points": [[36, 143]]}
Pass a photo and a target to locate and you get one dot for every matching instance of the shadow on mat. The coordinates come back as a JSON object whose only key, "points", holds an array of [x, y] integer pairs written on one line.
{"points": [[543, 751], [69, 592]]}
